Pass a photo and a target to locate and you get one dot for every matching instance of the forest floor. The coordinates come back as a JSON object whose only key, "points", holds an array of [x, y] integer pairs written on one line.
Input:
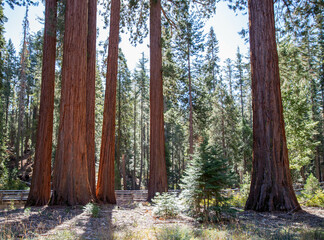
{"points": [[136, 221]]}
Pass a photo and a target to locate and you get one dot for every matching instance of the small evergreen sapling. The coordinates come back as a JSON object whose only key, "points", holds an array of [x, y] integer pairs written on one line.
{"points": [[204, 179], [166, 205]]}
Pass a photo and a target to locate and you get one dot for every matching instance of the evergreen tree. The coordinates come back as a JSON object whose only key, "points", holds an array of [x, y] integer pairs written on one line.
{"points": [[212, 59], [296, 89], [123, 122], [189, 44], [204, 179]]}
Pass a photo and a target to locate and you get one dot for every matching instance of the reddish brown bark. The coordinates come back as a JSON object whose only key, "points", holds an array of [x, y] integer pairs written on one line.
{"points": [[158, 176], [91, 91], [40, 189], [271, 186], [106, 178], [70, 182]]}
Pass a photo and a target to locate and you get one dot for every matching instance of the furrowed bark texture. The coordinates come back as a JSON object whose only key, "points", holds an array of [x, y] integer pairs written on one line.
{"points": [[91, 92], [158, 176], [40, 190], [71, 183], [271, 185], [106, 178]]}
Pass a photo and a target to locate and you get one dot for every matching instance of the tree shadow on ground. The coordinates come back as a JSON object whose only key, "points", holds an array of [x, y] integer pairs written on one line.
{"points": [[282, 225], [98, 227], [33, 222]]}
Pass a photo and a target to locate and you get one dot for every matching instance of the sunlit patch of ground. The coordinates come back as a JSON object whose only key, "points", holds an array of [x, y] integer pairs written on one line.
{"points": [[136, 221]]}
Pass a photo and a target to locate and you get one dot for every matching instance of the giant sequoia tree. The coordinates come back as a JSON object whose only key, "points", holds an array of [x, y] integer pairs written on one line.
{"points": [[91, 91], [271, 187], [40, 190], [106, 178], [158, 176], [70, 181]]}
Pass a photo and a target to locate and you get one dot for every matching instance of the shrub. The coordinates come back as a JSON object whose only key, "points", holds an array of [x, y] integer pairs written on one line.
{"points": [[9, 180], [174, 233], [239, 199], [312, 195], [312, 185], [92, 209], [316, 200], [166, 205]]}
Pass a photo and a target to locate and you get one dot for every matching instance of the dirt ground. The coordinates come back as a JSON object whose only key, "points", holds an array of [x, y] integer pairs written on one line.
{"points": [[117, 222]]}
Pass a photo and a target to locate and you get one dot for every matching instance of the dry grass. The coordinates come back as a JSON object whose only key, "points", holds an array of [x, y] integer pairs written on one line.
{"points": [[138, 222]]}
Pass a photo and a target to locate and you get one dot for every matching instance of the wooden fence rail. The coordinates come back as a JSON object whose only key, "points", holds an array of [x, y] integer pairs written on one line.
{"points": [[121, 195]]}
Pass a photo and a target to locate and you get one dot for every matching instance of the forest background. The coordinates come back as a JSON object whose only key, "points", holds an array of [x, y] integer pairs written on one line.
{"points": [[221, 94]]}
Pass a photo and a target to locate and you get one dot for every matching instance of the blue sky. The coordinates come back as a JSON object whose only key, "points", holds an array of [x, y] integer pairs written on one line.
{"points": [[225, 23]]}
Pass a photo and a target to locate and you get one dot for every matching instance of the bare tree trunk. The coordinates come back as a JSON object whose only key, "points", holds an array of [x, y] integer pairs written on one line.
{"points": [[191, 150], [124, 171], [271, 186], [91, 92], [40, 190], [106, 178], [142, 140], [35, 125], [135, 150], [70, 182], [223, 124], [22, 92], [158, 175], [147, 149]]}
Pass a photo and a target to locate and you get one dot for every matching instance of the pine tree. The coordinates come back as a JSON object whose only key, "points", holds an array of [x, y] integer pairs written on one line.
{"points": [[124, 123], [22, 90], [212, 59], [300, 126], [204, 179], [189, 42]]}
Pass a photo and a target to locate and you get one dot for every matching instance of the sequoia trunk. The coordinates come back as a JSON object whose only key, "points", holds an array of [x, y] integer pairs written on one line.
{"points": [[40, 190], [70, 182], [91, 91], [271, 186], [158, 176], [106, 178]]}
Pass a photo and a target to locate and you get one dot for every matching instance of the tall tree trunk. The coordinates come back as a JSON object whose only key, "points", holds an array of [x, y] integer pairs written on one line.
{"points": [[124, 172], [106, 178], [27, 123], [20, 134], [142, 139], [35, 125], [70, 182], [134, 146], [191, 150], [147, 149], [91, 92], [271, 186], [40, 190], [223, 124], [119, 134], [158, 175], [172, 157]]}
